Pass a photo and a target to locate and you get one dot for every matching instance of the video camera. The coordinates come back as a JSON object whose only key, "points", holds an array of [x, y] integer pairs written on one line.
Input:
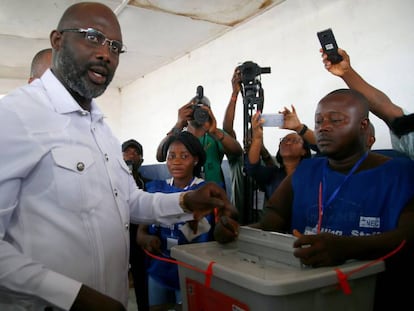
{"points": [[252, 90], [200, 115], [250, 71]]}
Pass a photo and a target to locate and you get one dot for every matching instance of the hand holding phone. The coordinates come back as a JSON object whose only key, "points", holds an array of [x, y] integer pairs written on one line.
{"points": [[329, 46], [272, 119]]}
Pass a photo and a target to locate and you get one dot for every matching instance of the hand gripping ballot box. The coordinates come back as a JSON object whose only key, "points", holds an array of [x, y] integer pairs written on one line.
{"points": [[259, 272]]}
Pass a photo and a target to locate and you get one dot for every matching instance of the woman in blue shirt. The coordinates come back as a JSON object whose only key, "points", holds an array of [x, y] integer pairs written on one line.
{"points": [[185, 158]]}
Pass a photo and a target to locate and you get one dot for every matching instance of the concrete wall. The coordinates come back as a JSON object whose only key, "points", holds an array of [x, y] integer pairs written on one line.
{"points": [[377, 34]]}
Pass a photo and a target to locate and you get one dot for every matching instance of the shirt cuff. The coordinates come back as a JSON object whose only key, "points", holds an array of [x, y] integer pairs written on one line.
{"points": [[59, 290]]}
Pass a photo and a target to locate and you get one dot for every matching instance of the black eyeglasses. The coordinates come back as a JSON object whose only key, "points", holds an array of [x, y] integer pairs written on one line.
{"points": [[96, 37]]}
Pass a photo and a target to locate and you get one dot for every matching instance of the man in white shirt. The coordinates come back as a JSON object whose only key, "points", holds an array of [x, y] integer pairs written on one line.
{"points": [[66, 194]]}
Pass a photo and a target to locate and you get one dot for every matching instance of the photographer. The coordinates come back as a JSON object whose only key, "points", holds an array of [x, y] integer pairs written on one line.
{"points": [[216, 142]]}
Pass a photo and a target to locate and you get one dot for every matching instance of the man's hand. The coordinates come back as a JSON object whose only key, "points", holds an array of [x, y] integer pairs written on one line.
{"points": [[205, 199], [236, 81], [152, 244], [211, 125], [185, 113], [226, 230], [340, 68], [319, 250], [92, 300]]}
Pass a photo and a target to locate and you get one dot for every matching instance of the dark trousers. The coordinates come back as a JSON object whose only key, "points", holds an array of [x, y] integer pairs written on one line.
{"points": [[138, 263]]}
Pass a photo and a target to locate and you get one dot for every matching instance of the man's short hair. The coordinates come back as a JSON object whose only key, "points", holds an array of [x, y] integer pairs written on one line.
{"points": [[132, 143]]}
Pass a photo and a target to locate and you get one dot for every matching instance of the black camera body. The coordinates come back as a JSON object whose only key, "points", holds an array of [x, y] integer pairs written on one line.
{"points": [[252, 91], [200, 115], [249, 71]]}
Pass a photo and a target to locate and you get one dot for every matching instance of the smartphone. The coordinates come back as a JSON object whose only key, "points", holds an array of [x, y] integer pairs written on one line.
{"points": [[272, 119], [329, 46]]}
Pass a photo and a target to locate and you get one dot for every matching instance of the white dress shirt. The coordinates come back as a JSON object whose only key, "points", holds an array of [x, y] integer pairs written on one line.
{"points": [[66, 197]]}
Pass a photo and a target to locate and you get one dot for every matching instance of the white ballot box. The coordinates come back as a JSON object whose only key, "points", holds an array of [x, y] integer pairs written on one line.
{"points": [[259, 272]]}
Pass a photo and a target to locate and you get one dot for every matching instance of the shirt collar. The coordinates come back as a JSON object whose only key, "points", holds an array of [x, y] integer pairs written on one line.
{"points": [[60, 98]]}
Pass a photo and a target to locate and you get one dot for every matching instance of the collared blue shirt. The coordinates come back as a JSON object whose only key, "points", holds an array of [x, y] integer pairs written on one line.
{"points": [[369, 202]]}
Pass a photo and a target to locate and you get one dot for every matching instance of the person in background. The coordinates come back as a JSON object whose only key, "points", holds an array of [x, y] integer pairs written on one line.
{"points": [[400, 122], [185, 158], [134, 157], [66, 195], [216, 142], [40, 62], [349, 204], [292, 122], [292, 150], [236, 162]]}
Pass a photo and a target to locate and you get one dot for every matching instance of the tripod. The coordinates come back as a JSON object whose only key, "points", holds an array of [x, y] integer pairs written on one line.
{"points": [[253, 100]]}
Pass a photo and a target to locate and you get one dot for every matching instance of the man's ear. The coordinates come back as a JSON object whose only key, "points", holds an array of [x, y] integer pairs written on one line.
{"points": [[55, 39], [365, 124]]}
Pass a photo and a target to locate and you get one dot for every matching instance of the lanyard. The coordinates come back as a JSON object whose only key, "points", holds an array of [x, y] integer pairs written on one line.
{"points": [[321, 205]]}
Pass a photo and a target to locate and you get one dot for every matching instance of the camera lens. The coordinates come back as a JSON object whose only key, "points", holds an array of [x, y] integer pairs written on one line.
{"points": [[200, 115]]}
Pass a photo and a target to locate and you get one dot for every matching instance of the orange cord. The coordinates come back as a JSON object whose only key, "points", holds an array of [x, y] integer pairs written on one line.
{"points": [[208, 272], [343, 277]]}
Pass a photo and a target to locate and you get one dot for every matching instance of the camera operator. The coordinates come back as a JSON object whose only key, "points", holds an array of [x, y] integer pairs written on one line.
{"points": [[216, 142]]}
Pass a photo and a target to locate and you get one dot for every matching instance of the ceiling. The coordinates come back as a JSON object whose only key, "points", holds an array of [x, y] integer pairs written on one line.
{"points": [[156, 32]]}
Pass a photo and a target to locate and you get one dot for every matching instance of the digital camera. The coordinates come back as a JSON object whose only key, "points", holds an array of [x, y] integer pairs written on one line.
{"points": [[200, 115]]}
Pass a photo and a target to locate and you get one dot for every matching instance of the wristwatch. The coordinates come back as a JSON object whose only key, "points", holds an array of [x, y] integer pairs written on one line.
{"points": [[303, 130]]}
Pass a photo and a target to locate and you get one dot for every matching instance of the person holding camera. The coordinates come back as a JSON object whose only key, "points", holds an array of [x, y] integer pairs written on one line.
{"points": [[197, 118], [236, 163]]}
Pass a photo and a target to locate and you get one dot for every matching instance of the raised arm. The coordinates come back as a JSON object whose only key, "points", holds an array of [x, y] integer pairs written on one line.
{"points": [[231, 146], [184, 114], [257, 139], [380, 104], [228, 120]]}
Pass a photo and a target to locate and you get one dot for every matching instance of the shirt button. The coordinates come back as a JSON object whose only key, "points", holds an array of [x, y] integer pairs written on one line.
{"points": [[126, 226], [80, 166]]}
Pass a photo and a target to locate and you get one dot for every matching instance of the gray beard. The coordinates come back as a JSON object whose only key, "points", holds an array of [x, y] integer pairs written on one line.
{"points": [[77, 80]]}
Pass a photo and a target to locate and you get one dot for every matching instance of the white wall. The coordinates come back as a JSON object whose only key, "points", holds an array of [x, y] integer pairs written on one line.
{"points": [[111, 105], [377, 34]]}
